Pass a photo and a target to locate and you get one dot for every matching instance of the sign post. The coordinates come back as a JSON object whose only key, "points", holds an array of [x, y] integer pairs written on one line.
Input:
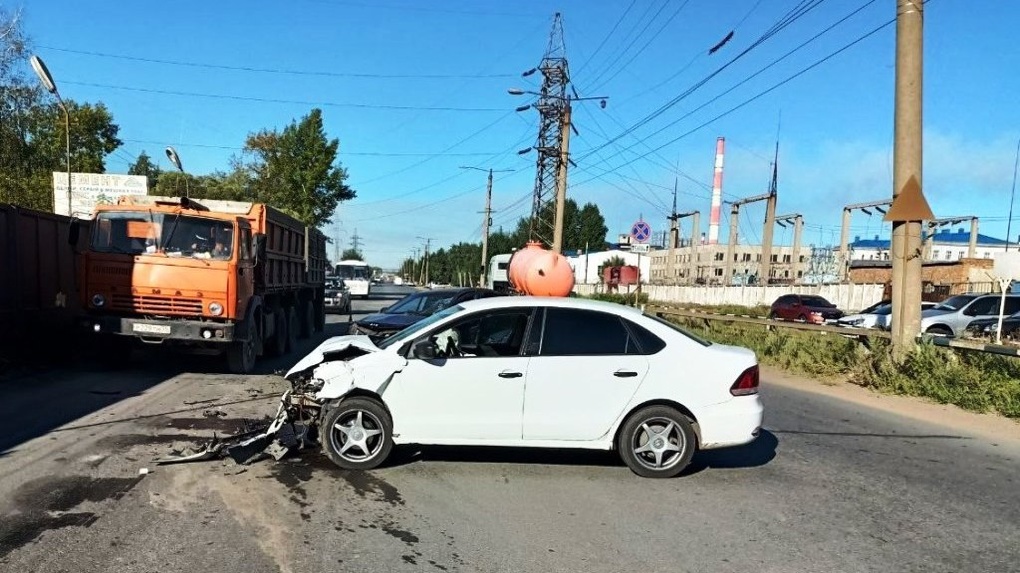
{"points": [[640, 231]]}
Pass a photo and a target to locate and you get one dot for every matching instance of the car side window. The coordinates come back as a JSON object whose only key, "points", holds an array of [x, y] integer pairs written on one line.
{"points": [[646, 342], [489, 334], [983, 306], [1012, 305], [576, 332]]}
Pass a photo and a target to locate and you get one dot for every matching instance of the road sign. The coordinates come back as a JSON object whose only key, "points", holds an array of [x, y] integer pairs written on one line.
{"points": [[641, 231], [91, 189]]}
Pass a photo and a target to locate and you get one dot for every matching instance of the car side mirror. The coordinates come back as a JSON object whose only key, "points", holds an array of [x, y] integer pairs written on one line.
{"points": [[384, 310], [73, 230], [424, 349]]}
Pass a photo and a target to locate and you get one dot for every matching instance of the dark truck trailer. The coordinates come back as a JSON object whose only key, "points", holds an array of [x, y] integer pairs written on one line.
{"points": [[38, 300], [243, 279]]}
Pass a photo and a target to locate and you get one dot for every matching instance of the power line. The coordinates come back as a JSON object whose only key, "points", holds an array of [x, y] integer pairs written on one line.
{"points": [[606, 38], [281, 71], [341, 152], [792, 16], [644, 47], [284, 101], [752, 76], [621, 53]]}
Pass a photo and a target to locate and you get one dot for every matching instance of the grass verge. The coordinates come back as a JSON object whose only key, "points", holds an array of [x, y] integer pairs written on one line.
{"points": [[971, 380]]}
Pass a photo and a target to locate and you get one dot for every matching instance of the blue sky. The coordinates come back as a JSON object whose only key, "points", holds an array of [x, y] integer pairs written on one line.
{"points": [[382, 68]]}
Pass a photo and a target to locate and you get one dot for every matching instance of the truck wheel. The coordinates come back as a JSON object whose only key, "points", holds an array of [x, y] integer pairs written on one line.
{"points": [[320, 317], [292, 329], [307, 319], [278, 343], [241, 354]]}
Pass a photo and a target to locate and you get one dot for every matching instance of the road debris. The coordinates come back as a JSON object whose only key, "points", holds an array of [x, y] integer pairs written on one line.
{"points": [[274, 438]]}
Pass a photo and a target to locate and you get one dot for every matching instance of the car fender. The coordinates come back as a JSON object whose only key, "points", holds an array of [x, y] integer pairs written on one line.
{"points": [[372, 372]]}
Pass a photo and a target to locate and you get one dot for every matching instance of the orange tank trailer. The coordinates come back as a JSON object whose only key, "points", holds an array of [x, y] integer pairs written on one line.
{"points": [[539, 272]]}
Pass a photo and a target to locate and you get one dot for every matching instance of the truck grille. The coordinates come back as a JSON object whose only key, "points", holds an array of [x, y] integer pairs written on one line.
{"points": [[156, 304]]}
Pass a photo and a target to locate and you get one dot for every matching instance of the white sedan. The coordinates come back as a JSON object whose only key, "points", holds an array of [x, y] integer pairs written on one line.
{"points": [[533, 372]]}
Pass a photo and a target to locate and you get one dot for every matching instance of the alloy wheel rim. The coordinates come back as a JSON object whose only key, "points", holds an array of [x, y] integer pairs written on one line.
{"points": [[658, 444], [357, 436]]}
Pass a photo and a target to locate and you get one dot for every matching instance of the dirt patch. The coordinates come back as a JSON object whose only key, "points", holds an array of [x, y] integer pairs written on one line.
{"points": [[989, 426]]}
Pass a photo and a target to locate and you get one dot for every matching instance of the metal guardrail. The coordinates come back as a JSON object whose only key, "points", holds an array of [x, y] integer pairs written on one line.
{"points": [[846, 331], [945, 342]]}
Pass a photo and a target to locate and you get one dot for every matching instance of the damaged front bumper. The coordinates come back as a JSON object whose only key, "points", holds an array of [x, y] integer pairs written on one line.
{"points": [[294, 427]]}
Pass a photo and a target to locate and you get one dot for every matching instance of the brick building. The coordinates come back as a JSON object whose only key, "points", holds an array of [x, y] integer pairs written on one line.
{"points": [[939, 278]]}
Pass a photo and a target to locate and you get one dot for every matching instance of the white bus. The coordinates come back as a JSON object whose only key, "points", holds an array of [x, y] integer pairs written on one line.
{"points": [[357, 275], [498, 279]]}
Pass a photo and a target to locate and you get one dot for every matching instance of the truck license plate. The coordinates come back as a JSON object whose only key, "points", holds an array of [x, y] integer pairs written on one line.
{"points": [[151, 328]]}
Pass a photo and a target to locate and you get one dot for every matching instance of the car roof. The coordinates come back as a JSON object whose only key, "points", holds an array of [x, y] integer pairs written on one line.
{"points": [[548, 301], [453, 291]]}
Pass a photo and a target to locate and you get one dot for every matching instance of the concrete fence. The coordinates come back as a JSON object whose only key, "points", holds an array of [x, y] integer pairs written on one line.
{"points": [[848, 297]]}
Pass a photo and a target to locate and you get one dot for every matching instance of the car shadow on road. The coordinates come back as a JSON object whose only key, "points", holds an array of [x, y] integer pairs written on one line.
{"points": [[875, 435], [755, 454]]}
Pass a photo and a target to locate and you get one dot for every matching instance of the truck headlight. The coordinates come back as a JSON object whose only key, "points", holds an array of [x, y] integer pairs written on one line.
{"points": [[215, 308], [98, 300]]}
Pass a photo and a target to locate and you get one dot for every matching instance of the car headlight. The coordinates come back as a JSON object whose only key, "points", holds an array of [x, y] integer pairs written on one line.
{"points": [[215, 308], [98, 300]]}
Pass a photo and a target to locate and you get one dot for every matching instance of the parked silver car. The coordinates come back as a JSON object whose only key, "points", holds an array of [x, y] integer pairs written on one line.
{"points": [[952, 317]]}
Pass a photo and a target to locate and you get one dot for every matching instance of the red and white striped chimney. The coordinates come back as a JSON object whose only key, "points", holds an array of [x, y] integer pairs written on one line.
{"points": [[713, 222]]}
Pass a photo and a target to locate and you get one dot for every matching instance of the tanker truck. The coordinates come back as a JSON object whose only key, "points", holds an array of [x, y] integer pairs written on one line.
{"points": [[233, 278]]}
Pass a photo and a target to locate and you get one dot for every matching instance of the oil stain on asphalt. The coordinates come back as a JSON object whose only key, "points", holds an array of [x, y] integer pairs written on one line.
{"points": [[48, 503]]}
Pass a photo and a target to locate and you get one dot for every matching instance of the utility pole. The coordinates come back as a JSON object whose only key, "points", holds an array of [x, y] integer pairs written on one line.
{"points": [[734, 222], [554, 107], [770, 223], [798, 229], [907, 162], [425, 265], [487, 222], [881, 206]]}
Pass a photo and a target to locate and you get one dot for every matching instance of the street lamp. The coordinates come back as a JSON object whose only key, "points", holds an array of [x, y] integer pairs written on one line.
{"points": [[175, 159], [568, 99], [47, 81]]}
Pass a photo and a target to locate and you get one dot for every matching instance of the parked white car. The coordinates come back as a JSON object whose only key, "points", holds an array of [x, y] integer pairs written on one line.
{"points": [[877, 316], [533, 372]]}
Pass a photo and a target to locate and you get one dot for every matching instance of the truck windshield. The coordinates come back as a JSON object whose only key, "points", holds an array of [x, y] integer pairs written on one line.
{"points": [[145, 232]]}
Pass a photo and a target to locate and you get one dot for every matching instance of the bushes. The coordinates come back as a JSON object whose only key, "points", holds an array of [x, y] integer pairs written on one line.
{"points": [[971, 380]]}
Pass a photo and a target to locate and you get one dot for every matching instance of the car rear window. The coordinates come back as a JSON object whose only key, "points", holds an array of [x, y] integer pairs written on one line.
{"points": [[682, 331]]}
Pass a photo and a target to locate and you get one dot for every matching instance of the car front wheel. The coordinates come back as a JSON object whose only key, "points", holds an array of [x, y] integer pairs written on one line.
{"points": [[357, 434], [657, 442]]}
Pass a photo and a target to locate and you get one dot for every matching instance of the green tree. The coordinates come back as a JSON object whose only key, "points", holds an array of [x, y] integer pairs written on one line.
{"points": [[352, 255], [296, 169], [144, 166]]}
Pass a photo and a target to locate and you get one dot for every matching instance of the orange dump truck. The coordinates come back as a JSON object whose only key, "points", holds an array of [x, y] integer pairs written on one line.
{"points": [[241, 279]]}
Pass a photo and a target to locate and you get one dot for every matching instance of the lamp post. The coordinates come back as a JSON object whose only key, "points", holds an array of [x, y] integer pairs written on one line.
{"points": [[488, 219], [47, 81], [175, 159], [561, 174]]}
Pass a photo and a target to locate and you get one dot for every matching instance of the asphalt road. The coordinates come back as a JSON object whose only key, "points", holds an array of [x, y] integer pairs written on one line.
{"points": [[831, 486]]}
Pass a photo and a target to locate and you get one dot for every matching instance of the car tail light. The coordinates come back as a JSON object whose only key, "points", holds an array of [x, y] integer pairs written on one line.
{"points": [[747, 383]]}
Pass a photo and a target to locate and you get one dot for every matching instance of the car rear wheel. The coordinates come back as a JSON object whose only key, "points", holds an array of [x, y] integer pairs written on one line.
{"points": [[657, 442], [357, 434]]}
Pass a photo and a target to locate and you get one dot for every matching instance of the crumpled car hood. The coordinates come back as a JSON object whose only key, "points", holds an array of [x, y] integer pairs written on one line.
{"points": [[341, 372], [333, 345]]}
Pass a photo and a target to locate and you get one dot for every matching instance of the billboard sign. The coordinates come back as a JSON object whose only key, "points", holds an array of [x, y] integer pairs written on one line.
{"points": [[91, 189]]}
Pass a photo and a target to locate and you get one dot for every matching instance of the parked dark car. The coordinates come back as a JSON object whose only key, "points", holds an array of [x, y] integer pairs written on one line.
{"points": [[985, 327], [413, 308], [804, 308]]}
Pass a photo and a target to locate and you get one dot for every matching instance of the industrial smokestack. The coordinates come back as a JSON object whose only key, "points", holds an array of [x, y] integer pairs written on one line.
{"points": [[713, 221]]}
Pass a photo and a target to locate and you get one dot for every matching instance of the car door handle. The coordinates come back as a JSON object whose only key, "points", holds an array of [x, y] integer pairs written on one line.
{"points": [[625, 374], [508, 374]]}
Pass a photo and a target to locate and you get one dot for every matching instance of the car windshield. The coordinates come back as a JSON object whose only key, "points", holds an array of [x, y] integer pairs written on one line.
{"points": [[334, 284], [682, 331], [424, 303], [873, 309], [956, 303], [148, 233], [410, 331]]}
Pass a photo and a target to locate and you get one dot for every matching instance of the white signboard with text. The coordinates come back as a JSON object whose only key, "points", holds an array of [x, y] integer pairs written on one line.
{"points": [[91, 189]]}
